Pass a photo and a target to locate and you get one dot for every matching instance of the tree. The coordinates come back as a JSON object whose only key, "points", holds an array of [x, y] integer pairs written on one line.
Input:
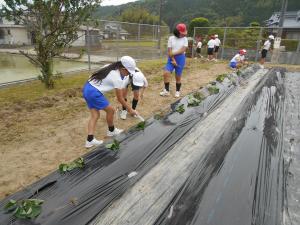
{"points": [[198, 22], [254, 24], [54, 24], [138, 15]]}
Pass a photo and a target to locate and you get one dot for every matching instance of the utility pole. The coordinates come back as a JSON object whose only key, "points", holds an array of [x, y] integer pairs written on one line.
{"points": [[282, 13], [159, 28]]}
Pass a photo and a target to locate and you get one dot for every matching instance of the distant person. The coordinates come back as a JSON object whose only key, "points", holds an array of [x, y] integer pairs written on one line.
{"points": [[198, 49], [108, 78], [177, 45], [211, 47], [138, 84], [217, 45], [238, 60], [266, 47]]}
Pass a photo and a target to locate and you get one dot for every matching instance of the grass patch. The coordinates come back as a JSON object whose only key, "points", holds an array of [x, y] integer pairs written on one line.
{"points": [[33, 90]]}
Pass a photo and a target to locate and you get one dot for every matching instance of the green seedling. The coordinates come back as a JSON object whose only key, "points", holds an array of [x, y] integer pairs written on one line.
{"points": [[78, 163], [141, 125], [24, 209], [114, 146], [158, 116], [238, 72], [195, 99], [221, 78], [180, 109], [213, 90]]}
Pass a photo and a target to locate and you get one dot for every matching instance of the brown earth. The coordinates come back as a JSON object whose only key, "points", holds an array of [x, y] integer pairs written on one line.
{"points": [[37, 136]]}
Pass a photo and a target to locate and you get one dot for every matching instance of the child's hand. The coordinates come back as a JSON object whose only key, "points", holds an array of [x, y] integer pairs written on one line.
{"points": [[174, 63], [133, 112]]}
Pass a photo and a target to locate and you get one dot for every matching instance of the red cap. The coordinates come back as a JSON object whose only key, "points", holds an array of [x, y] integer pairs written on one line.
{"points": [[243, 51], [181, 28]]}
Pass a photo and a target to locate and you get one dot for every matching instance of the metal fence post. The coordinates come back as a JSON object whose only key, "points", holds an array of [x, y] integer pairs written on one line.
{"points": [[139, 32], [118, 38], [223, 44], [88, 47], [298, 47], [258, 44], [194, 35]]}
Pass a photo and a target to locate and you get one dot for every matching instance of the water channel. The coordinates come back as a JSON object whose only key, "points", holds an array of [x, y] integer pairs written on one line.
{"points": [[15, 67]]}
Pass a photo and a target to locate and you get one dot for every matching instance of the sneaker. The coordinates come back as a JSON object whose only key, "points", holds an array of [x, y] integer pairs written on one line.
{"points": [[123, 114], [114, 133], [164, 93], [177, 94], [94, 142]]}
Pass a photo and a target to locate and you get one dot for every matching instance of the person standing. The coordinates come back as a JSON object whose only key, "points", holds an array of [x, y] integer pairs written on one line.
{"points": [[217, 45], [108, 78], [210, 47], [177, 45], [138, 84], [198, 49], [265, 49]]}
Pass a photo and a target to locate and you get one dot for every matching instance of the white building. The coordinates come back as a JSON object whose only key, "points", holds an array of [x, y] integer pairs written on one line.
{"points": [[12, 34]]}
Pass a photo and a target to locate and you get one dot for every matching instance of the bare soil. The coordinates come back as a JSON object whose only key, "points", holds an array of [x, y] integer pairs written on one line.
{"points": [[37, 136]]}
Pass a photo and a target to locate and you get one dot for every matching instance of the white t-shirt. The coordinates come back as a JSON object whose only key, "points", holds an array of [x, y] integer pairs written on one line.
{"points": [[113, 80], [199, 45], [177, 43], [267, 45], [217, 41], [237, 58], [138, 79], [211, 43]]}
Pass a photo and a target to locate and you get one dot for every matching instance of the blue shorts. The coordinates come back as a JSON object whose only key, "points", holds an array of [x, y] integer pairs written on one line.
{"points": [[180, 60], [233, 65], [94, 98]]}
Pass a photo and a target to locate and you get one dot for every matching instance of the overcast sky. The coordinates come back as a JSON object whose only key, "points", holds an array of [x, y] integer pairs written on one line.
{"points": [[106, 2]]}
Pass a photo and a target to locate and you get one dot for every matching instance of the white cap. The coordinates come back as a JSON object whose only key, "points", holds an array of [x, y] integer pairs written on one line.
{"points": [[138, 79], [216, 35], [271, 37], [129, 63]]}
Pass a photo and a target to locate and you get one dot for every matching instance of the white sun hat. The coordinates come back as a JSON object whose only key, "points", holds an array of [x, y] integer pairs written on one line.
{"points": [[138, 79], [129, 63], [271, 37], [216, 35]]}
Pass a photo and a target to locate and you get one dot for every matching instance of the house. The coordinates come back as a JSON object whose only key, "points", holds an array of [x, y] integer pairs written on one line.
{"points": [[114, 30], [13, 34], [96, 35], [291, 24]]}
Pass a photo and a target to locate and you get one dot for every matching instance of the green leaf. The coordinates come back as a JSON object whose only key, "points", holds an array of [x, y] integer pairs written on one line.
{"points": [[113, 146], [11, 205], [213, 90], [78, 163], [180, 109], [141, 125], [195, 99], [221, 77]]}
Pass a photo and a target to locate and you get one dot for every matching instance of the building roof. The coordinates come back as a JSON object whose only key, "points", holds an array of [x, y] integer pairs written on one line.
{"points": [[291, 19]]}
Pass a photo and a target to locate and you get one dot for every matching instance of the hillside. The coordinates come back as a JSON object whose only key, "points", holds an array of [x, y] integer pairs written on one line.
{"points": [[219, 12]]}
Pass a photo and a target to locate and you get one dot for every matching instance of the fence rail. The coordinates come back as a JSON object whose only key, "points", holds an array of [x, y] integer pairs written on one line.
{"points": [[252, 39]]}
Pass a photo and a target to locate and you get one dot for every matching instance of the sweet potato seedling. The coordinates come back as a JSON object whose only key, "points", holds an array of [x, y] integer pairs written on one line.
{"points": [[78, 163], [24, 209]]}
